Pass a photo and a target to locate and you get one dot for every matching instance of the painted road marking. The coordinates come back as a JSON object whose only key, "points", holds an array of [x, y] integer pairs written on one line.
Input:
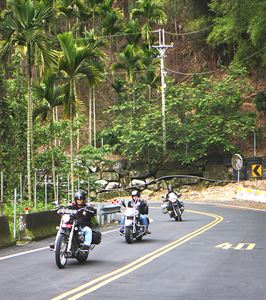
{"points": [[245, 246], [97, 283], [39, 249], [224, 246], [239, 246]]}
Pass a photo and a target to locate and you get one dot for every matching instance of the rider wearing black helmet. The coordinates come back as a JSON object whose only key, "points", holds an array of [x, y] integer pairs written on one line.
{"points": [[85, 217], [142, 207]]}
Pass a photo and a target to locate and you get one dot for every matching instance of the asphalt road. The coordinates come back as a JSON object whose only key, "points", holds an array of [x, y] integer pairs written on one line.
{"points": [[214, 253]]}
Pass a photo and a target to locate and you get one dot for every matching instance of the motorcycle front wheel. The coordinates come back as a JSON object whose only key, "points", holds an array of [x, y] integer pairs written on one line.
{"points": [[60, 252], [129, 234], [178, 216]]}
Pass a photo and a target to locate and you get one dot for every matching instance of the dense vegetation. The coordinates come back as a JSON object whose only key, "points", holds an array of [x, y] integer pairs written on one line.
{"points": [[79, 73]]}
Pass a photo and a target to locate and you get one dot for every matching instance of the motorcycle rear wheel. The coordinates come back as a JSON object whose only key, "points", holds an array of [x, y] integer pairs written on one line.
{"points": [[60, 252], [129, 235]]}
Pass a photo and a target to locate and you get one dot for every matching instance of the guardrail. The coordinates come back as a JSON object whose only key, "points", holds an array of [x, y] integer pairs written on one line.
{"points": [[106, 213], [38, 225]]}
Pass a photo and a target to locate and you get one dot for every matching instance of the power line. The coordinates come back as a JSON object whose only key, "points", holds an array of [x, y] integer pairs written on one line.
{"points": [[253, 54], [189, 33], [154, 31], [196, 73], [215, 70]]}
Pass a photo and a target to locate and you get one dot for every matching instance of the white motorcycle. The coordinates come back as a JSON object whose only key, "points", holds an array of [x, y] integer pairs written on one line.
{"points": [[173, 206], [132, 229]]}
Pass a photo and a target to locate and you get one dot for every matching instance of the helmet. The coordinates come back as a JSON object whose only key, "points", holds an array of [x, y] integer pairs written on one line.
{"points": [[80, 195], [170, 188], [135, 193]]}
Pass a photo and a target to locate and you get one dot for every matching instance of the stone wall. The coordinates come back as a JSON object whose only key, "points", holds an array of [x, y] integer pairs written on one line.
{"points": [[118, 175]]}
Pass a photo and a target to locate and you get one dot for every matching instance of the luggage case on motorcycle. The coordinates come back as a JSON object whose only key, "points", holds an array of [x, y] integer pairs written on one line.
{"points": [[96, 237]]}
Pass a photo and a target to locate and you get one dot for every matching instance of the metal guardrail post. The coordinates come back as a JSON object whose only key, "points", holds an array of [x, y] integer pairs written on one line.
{"points": [[106, 213]]}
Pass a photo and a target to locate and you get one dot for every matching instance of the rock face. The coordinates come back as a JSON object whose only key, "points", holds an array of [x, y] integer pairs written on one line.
{"points": [[120, 175]]}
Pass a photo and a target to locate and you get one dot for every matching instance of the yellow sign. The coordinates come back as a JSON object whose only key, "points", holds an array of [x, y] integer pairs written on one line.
{"points": [[257, 170]]}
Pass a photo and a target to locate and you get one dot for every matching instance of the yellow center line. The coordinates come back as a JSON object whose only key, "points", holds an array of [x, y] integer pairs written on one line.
{"points": [[109, 277]]}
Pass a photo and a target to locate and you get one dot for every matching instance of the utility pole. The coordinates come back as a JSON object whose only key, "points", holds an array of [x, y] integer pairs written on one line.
{"points": [[162, 49]]}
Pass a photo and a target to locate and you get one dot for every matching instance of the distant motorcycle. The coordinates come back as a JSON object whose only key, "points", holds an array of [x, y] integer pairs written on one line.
{"points": [[69, 239], [132, 229], [173, 206]]}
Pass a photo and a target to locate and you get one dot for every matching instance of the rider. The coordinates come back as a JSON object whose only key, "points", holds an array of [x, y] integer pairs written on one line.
{"points": [[142, 207], [170, 192], [84, 217]]}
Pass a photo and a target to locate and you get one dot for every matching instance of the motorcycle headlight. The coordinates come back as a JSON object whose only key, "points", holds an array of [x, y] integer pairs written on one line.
{"points": [[65, 218]]}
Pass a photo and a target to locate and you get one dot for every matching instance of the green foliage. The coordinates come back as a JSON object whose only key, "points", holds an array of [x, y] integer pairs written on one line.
{"points": [[207, 117], [242, 24], [200, 117], [260, 102], [89, 156], [12, 132], [44, 163], [136, 131]]}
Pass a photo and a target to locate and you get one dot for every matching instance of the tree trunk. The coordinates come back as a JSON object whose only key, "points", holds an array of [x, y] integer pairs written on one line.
{"points": [[52, 152], [90, 117], [94, 116], [72, 99], [29, 125]]}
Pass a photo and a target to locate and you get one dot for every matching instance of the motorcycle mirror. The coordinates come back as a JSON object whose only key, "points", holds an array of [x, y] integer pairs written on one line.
{"points": [[56, 204]]}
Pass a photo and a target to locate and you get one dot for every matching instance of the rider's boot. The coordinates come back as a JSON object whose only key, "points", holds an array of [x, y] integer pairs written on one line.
{"points": [[148, 231]]}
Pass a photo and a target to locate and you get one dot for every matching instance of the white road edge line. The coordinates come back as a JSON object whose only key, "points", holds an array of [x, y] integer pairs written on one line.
{"points": [[39, 249]]}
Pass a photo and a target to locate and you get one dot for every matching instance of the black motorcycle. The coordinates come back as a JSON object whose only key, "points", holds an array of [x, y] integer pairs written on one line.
{"points": [[173, 206], [69, 239]]}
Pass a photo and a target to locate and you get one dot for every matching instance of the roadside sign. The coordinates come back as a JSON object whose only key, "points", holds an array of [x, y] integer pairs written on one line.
{"points": [[237, 162], [256, 170]]}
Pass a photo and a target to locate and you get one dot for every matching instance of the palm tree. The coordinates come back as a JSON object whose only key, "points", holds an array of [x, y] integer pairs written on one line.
{"points": [[68, 9], [130, 61], [132, 33], [111, 22], [150, 77], [23, 28], [91, 38], [75, 62], [51, 96], [150, 12]]}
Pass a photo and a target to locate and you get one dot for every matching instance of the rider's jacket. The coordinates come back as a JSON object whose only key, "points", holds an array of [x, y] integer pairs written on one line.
{"points": [[166, 197], [140, 204], [84, 216]]}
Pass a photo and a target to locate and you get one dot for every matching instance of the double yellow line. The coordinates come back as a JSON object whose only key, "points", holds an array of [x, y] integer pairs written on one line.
{"points": [[109, 277]]}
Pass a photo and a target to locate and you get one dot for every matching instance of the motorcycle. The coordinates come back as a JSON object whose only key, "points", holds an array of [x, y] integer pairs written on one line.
{"points": [[173, 206], [132, 229], [69, 239]]}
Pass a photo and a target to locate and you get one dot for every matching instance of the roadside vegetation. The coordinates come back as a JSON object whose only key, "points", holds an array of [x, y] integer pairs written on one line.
{"points": [[80, 79]]}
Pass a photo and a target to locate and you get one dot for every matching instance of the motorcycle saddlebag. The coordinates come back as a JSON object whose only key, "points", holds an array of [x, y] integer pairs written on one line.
{"points": [[164, 208], [96, 237]]}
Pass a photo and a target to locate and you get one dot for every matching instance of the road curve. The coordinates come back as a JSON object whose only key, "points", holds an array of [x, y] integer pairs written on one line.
{"points": [[215, 253]]}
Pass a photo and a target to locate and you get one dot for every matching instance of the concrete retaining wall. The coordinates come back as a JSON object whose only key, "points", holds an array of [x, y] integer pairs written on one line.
{"points": [[5, 237], [38, 225]]}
